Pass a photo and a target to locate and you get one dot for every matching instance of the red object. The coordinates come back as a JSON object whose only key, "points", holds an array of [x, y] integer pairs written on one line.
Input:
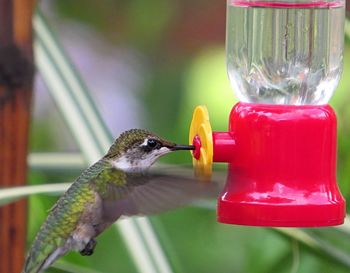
{"points": [[282, 167], [197, 144]]}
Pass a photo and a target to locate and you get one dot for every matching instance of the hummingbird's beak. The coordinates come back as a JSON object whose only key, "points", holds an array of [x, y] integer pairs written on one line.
{"points": [[177, 147]]}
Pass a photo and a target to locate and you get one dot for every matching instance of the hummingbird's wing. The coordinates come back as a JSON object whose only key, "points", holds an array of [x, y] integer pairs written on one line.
{"points": [[157, 191]]}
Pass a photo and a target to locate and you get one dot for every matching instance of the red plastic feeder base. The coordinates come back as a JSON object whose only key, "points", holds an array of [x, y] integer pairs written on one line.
{"points": [[282, 169]]}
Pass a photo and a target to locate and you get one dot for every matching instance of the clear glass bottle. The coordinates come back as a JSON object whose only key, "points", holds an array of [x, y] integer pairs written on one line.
{"points": [[285, 52]]}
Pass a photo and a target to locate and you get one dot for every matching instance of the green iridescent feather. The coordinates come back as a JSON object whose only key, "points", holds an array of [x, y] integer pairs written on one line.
{"points": [[130, 139], [64, 217]]}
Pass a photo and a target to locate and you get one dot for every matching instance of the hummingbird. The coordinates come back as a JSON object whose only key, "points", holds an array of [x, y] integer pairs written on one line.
{"points": [[117, 185]]}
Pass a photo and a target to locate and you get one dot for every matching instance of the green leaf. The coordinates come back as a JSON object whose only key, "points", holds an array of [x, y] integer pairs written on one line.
{"points": [[73, 268], [318, 245], [8, 195]]}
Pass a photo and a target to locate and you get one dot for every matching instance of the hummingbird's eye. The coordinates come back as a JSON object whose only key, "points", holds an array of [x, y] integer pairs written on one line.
{"points": [[152, 143]]}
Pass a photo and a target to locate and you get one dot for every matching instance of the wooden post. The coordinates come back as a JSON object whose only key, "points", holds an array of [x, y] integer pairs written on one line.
{"points": [[16, 75]]}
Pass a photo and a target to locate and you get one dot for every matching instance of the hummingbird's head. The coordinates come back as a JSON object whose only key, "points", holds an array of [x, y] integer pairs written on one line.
{"points": [[138, 149]]}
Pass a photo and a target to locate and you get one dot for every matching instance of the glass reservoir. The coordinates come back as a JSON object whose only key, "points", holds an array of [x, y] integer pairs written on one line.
{"points": [[284, 52]]}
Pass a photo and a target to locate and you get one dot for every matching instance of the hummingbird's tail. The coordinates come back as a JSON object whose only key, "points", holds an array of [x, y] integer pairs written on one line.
{"points": [[46, 248], [34, 264]]}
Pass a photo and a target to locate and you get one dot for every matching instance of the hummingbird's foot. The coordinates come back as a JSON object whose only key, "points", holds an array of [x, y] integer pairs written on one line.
{"points": [[89, 248]]}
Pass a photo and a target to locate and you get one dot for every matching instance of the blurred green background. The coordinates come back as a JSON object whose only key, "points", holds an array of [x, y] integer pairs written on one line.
{"points": [[148, 64]]}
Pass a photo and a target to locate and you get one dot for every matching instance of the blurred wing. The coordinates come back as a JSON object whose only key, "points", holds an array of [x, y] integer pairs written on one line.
{"points": [[161, 190]]}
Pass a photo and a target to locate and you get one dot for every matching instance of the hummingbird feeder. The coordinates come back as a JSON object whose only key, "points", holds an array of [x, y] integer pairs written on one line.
{"points": [[284, 61]]}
